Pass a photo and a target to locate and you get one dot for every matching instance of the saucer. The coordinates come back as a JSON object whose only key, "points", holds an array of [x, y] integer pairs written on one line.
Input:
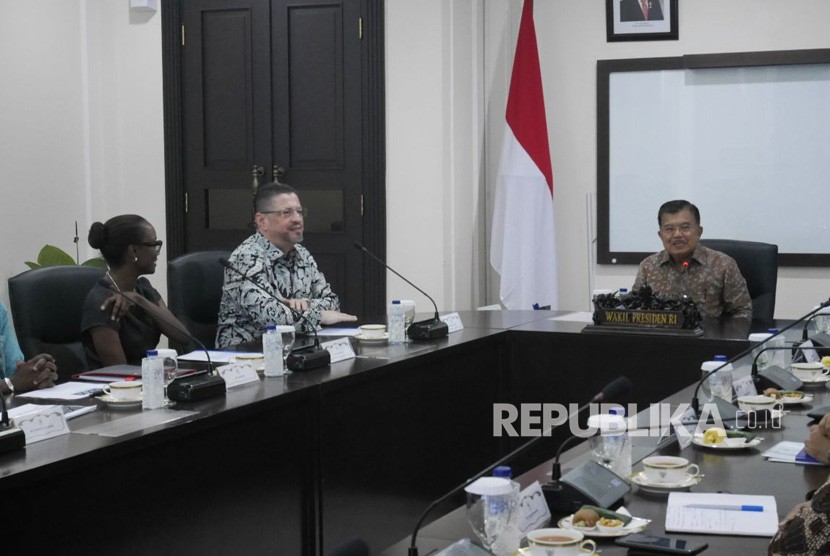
{"points": [[382, 339], [806, 398], [727, 443], [644, 483], [636, 525], [120, 404], [819, 380]]}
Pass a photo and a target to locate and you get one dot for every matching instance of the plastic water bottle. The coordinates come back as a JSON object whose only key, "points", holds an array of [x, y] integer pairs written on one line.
{"points": [[622, 465], [621, 295], [780, 357], [719, 383], [396, 317], [763, 359], [611, 448], [508, 542], [152, 381], [272, 350]]}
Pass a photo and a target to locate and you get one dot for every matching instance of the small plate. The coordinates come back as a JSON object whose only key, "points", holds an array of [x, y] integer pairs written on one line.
{"points": [[636, 525], [806, 398], [378, 340], [120, 404], [819, 380], [644, 483], [728, 443]]}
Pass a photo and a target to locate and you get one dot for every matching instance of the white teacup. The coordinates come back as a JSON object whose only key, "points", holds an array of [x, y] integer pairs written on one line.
{"points": [[809, 371], [669, 469], [124, 389], [559, 542], [372, 331], [755, 403]]}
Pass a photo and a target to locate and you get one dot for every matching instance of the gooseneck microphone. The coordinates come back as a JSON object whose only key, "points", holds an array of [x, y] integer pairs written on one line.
{"points": [[423, 330], [300, 359], [615, 388], [696, 402]]}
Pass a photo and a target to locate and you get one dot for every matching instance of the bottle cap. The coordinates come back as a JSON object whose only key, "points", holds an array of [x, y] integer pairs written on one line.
{"points": [[490, 486], [720, 358], [396, 302], [773, 330], [152, 353], [503, 471], [271, 326], [620, 410]]}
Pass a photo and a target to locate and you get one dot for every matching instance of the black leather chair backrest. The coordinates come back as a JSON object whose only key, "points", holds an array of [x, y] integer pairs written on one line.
{"points": [[194, 289], [46, 305], [758, 263]]}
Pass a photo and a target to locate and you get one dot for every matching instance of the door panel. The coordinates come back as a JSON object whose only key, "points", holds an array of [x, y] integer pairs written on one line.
{"points": [[273, 83], [226, 73]]}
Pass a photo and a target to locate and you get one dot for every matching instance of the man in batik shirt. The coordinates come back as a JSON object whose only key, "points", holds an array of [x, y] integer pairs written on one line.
{"points": [[684, 267], [274, 259]]}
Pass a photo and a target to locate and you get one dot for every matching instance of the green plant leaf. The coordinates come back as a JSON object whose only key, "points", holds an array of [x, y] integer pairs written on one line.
{"points": [[54, 256], [96, 262], [32, 265]]}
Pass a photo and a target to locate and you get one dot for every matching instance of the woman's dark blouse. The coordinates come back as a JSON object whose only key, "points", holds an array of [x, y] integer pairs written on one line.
{"points": [[136, 329]]}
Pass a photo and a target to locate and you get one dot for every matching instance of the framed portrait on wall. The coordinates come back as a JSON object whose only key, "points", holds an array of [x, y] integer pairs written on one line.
{"points": [[641, 20]]}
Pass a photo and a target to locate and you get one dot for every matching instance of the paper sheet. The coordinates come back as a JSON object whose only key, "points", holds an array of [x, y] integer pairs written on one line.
{"points": [[136, 422], [576, 317], [682, 518], [73, 390], [216, 356]]}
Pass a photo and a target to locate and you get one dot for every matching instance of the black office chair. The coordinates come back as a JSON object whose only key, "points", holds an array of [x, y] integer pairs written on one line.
{"points": [[194, 289], [46, 305], [758, 262]]}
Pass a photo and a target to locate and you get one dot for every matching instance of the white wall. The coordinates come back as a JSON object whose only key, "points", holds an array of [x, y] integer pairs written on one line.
{"points": [[571, 39], [81, 128]]}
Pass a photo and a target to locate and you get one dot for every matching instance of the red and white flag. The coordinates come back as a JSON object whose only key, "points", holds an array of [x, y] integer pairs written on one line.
{"points": [[522, 246]]}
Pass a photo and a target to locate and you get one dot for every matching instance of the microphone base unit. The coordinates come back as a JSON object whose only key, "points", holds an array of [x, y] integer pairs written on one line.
{"points": [[778, 378], [429, 329], [590, 484], [11, 439], [821, 340], [307, 359], [196, 387]]}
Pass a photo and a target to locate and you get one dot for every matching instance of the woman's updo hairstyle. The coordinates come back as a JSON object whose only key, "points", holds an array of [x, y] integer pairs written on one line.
{"points": [[116, 235]]}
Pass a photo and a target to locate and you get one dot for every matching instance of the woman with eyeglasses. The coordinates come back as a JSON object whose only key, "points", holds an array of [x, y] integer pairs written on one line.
{"points": [[124, 315]]}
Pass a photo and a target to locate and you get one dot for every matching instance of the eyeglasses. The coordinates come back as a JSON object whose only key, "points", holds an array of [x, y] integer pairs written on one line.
{"points": [[287, 212], [683, 229], [155, 244]]}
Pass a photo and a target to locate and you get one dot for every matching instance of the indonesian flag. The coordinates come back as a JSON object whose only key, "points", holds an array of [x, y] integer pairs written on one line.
{"points": [[522, 246]]}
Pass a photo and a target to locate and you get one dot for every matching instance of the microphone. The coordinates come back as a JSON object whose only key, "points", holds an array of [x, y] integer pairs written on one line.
{"points": [[194, 387], [696, 403], [618, 386], [423, 330], [821, 339], [300, 359], [11, 436], [774, 376], [614, 390]]}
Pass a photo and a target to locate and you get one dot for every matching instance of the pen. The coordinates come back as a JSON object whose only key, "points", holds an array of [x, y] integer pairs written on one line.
{"points": [[742, 508]]}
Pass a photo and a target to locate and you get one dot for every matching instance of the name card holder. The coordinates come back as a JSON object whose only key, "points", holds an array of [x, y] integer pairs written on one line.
{"points": [[46, 422], [453, 322], [237, 374], [339, 349]]}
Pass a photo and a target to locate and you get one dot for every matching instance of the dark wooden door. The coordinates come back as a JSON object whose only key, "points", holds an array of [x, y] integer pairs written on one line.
{"points": [[272, 88]]}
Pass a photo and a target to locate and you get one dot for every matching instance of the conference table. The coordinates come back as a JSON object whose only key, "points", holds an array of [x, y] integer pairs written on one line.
{"points": [[302, 464]]}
